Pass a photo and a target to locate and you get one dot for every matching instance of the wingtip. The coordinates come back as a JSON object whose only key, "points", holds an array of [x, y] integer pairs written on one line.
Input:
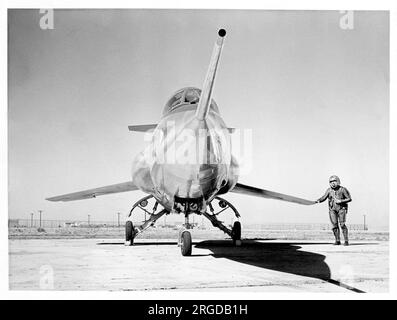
{"points": [[52, 199]]}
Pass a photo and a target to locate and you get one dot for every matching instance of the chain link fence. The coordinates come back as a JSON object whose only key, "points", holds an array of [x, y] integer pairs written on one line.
{"points": [[36, 223], [304, 226]]}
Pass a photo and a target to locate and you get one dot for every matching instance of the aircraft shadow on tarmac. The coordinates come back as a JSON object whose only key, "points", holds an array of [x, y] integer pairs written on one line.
{"points": [[153, 243], [283, 257]]}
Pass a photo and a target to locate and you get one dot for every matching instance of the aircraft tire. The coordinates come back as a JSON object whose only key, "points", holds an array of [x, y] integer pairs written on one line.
{"points": [[236, 233], [186, 243], [129, 233]]}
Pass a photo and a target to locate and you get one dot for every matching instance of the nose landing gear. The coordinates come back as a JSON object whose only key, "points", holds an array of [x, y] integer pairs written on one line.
{"points": [[185, 242], [185, 237]]}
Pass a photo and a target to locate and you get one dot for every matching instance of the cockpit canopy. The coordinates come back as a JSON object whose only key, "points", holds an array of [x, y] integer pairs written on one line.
{"points": [[184, 97]]}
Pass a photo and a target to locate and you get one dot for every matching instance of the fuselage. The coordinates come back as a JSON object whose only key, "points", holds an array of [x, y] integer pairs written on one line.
{"points": [[187, 158], [188, 161]]}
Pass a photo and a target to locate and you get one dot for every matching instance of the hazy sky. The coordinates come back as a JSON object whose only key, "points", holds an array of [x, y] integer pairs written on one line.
{"points": [[316, 97]]}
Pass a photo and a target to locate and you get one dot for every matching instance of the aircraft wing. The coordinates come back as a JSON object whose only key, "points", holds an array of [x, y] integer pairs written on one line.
{"points": [[252, 191], [93, 193]]}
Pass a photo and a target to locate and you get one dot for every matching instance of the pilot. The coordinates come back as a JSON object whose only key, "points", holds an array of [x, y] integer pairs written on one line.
{"points": [[338, 198]]}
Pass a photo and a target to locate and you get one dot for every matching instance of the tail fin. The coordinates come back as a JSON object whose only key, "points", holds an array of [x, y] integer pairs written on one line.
{"points": [[206, 93]]}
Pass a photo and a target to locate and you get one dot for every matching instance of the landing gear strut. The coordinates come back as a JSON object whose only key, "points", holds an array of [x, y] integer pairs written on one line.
{"points": [[216, 206], [223, 205], [154, 214]]}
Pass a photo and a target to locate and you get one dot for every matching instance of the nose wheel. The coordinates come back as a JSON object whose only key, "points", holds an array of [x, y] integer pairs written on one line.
{"points": [[185, 238], [186, 243]]}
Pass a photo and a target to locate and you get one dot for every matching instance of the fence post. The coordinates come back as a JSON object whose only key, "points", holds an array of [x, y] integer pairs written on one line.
{"points": [[40, 211]]}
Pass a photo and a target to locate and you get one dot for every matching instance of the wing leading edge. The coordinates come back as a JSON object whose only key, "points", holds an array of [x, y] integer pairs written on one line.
{"points": [[93, 193], [257, 192]]}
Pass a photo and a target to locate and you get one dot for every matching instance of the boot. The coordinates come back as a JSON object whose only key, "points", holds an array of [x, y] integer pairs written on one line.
{"points": [[337, 236], [345, 235]]}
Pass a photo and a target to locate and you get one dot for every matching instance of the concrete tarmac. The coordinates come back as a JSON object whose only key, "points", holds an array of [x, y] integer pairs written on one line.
{"points": [[258, 265]]}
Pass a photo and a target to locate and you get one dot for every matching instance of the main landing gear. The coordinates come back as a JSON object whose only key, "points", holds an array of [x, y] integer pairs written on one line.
{"points": [[144, 206], [218, 206], [150, 207]]}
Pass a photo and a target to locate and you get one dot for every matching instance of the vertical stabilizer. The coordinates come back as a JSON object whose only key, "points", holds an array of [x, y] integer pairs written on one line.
{"points": [[206, 93]]}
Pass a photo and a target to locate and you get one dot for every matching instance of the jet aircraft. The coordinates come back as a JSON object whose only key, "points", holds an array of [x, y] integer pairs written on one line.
{"points": [[187, 165]]}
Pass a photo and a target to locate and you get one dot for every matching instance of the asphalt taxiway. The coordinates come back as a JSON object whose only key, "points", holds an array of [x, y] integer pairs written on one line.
{"points": [[258, 265]]}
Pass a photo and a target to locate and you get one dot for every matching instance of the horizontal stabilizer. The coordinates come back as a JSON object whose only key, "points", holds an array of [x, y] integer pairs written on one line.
{"points": [[148, 127], [252, 191], [142, 127], [93, 193]]}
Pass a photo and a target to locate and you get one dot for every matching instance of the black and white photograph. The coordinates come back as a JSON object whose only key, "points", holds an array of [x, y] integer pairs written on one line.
{"points": [[172, 150]]}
